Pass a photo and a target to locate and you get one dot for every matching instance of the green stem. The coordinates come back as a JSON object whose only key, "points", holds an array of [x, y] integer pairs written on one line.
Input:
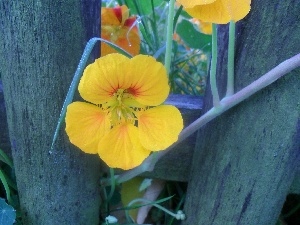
{"points": [[213, 67], [4, 158], [154, 26], [112, 184], [230, 67], [177, 215], [169, 38], [5, 185], [177, 16]]}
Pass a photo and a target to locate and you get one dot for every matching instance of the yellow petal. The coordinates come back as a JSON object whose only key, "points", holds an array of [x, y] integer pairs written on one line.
{"points": [[159, 127], [121, 147], [86, 124], [103, 77], [205, 28], [125, 13], [221, 11], [149, 81], [192, 3], [237, 9], [215, 12]]}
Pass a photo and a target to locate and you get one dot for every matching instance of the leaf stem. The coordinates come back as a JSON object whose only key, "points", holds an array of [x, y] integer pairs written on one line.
{"points": [[169, 37], [112, 184], [179, 215], [5, 185], [230, 67], [213, 67]]}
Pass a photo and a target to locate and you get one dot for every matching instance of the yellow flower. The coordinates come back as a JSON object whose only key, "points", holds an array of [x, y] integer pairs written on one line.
{"points": [[123, 121], [217, 11], [118, 28]]}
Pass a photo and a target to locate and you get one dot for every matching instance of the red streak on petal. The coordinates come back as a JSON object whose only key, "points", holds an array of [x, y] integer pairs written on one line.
{"points": [[133, 91], [118, 12], [130, 21]]}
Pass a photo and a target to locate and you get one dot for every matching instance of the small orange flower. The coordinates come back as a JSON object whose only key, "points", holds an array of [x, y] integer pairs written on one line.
{"points": [[118, 28], [217, 11], [124, 121]]}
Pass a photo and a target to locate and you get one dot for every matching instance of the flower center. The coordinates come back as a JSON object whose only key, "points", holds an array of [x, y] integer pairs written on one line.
{"points": [[113, 31], [121, 110]]}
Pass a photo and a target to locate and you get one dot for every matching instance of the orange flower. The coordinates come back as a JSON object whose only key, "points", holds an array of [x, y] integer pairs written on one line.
{"points": [[124, 121], [217, 11], [118, 28]]}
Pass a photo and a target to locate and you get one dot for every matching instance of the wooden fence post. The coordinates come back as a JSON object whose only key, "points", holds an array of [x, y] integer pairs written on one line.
{"points": [[245, 160], [41, 43]]}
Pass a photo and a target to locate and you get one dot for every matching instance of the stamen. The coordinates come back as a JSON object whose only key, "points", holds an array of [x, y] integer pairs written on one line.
{"points": [[121, 112]]}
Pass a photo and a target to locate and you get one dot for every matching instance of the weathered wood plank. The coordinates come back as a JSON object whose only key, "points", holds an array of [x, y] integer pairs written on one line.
{"points": [[245, 160], [42, 42]]}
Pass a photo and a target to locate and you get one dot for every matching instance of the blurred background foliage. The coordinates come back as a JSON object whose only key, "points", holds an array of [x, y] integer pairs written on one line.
{"points": [[191, 47]]}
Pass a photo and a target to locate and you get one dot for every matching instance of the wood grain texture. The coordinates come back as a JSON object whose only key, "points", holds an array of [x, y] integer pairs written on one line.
{"points": [[245, 160], [41, 43]]}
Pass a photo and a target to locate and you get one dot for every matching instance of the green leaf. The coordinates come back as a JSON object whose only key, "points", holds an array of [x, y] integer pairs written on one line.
{"points": [[4, 158], [7, 213], [144, 6], [192, 37], [5, 185]]}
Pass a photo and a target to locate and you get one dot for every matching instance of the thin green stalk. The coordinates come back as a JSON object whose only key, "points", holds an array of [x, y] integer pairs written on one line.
{"points": [[213, 67], [4, 158], [140, 13], [112, 184], [230, 67], [154, 26], [5, 185], [179, 215], [177, 16], [169, 37], [144, 28], [182, 199]]}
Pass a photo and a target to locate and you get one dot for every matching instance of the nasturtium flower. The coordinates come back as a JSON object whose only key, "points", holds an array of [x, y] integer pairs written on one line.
{"points": [[217, 11], [123, 119], [120, 29]]}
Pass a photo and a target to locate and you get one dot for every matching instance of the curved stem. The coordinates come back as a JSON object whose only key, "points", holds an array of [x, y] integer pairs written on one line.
{"points": [[112, 184], [226, 103], [213, 67], [156, 205], [230, 67], [169, 36]]}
